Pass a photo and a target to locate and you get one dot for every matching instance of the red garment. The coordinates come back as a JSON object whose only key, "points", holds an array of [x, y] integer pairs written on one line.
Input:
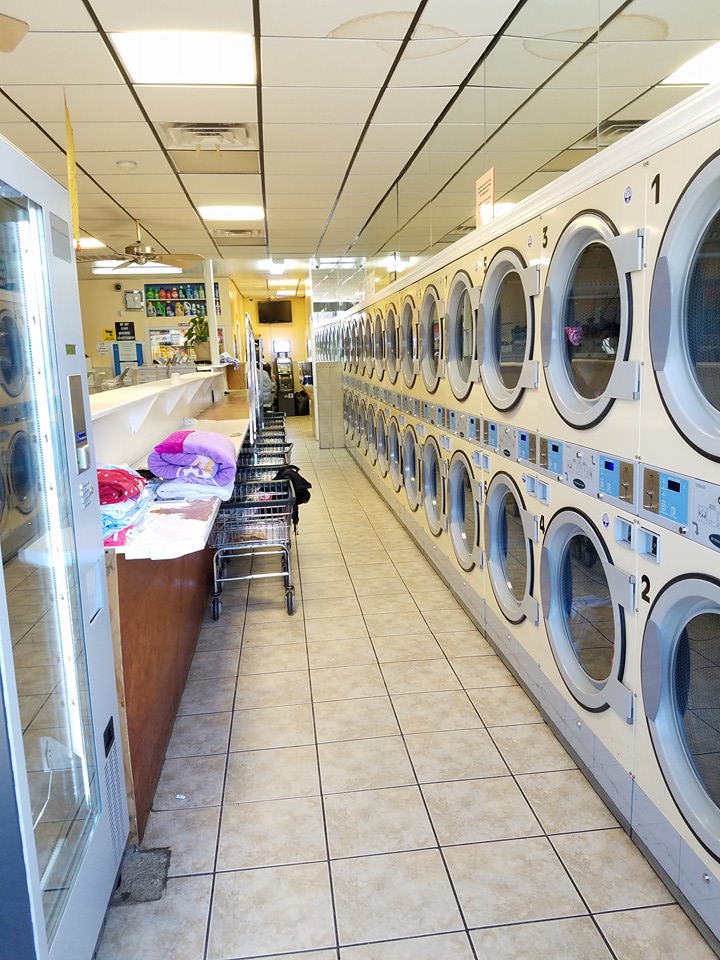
{"points": [[117, 485]]}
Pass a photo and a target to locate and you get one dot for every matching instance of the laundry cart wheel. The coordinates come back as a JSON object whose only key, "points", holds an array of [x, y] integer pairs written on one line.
{"points": [[216, 607], [290, 600]]}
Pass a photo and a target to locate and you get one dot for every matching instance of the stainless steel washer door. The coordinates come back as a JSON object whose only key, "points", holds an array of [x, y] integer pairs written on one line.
{"points": [[461, 334], [411, 468], [395, 455], [509, 535], [408, 342], [391, 348], [431, 339], [371, 435], [368, 353], [22, 476], [433, 486], [379, 346], [464, 512], [681, 696], [382, 445], [360, 438]]}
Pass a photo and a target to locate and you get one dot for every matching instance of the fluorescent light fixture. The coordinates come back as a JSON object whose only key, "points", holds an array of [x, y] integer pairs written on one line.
{"points": [[285, 293], [279, 283], [273, 267], [396, 264], [90, 243], [187, 57], [232, 213], [701, 69], [104, 268]]}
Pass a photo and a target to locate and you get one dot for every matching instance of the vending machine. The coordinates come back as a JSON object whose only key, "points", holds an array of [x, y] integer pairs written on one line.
{"points": [[284, 377], [64, 821]]}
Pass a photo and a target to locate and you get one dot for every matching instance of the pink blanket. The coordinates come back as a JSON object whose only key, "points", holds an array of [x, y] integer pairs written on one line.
{"points": [[196, 456]]}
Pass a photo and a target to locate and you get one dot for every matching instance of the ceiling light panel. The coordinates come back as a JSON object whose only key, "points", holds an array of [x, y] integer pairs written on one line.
{"points": [[105, 136], [626, 64], [231, 213], [86, 102], [216, 15], [354, 19], [326, 63], [81, 58], [413, 104], [433, 62], [188, 56], [308, 137], [184, 104], [316, 104]]}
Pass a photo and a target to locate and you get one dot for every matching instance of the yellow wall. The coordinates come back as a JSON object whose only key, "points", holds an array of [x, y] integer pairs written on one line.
{"points": [[296, 332], [102, 305]]}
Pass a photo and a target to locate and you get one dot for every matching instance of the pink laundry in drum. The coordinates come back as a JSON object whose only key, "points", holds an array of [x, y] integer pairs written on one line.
{"points": [[574, 335]]}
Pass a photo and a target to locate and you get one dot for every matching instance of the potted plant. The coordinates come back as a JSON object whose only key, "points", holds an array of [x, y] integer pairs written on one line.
{"points": [[197, 336]]}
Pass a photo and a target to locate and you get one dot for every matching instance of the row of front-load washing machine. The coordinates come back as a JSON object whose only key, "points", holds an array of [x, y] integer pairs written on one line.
{"points": [[542, 408]]}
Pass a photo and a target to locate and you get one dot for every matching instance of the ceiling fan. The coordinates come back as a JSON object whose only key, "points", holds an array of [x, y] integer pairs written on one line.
{"points": [[138, 254]]}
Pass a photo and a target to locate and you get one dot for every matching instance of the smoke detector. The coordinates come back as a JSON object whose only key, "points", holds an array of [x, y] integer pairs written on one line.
{"points": [[209, 136]]}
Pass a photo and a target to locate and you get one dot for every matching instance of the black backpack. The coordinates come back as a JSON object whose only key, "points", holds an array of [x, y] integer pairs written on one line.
{"points": [[300, 487]]}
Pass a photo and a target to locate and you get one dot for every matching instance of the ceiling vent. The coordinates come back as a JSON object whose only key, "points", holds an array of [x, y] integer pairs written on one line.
{"points": [[239, 238], [609, 132], [209, 136]]}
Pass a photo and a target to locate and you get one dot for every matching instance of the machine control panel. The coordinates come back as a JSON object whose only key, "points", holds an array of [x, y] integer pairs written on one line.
{"points": [[473, 428], [416, 408], [581, 468], [508, 443], [527, 446], [551, 456], [705, 518], [665, 498], [452, 420], [617, 481], [425, 410], [490, 434], [461, 425]]}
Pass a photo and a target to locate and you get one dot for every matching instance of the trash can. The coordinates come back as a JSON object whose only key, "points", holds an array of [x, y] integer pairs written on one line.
{"points": [[302, 404]]}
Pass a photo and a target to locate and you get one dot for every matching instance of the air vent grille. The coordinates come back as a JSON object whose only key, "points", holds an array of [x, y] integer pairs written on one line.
{"points": [[609, 132], [209, 136]]}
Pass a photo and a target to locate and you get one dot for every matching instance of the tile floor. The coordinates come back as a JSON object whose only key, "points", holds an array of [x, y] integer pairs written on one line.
{"points": [[365, 781]]}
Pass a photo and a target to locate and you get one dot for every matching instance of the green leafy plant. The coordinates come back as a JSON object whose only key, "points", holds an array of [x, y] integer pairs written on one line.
{"points": [[197, 332]]}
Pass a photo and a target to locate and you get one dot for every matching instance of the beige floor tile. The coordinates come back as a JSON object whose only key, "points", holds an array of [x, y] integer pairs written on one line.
{"points": [[378, 586], [419, 676], [265, 727], [482, 672], [429, 712], [209, 665], [437, 600], [387, 625], [504, 706], [207, 696], [388, 603], [278, 774], [145, 929], [355, 719], [393, 895], [610, 871], [267, 634], [335, 628], [218, 642], [333, 607], [279, 658], [270, 833], [574, 939], [272, 689], [454, 755], [472, 811], [260, 912], [327, 590], [465, 643], [511, 881], [364, 764], [323, 572], [564, 802], [200, 735], [654, 932], [347, 683], [275, 614], [391, 649], [340, 653], [190, 834], [531, 748], [371, 571], [190, 782], [377, 821], [447, 946]]}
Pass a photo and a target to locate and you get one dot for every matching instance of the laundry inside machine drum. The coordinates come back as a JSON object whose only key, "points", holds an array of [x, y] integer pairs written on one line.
{"points": [[12, 355], [587, 607], [701, 315], [512, 547]]}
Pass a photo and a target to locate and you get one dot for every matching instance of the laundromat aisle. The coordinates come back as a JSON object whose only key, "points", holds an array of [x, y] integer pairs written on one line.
{"points": [[366, 781]]}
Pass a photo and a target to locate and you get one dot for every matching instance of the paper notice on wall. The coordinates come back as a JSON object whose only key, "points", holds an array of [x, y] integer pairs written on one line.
{"points": [[126, 350], [484, 198], [102, 349]]}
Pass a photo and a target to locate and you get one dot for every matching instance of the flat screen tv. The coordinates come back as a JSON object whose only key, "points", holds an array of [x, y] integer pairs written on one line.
{"points": [[274, 311]]}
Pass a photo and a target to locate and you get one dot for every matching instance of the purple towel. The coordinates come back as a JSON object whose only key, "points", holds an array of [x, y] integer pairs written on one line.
{"points": [[197, 456]]}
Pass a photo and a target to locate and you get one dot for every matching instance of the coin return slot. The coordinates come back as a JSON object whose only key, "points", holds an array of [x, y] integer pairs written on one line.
{"points": [[624, 533], [649, 544]]}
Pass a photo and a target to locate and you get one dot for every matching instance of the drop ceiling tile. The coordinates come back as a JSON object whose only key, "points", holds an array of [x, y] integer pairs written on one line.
{"points": [[44, 17], [665, 20], [318, 214], [521, 136], [511, 161], [199, 104], [249, 199], [462, 18], [379, 161], [86, 102], [402, 138], [105, 136], [283, 164], [26, 137], [577, 21], [491, 104], [368, 184], [222, 183], [412, 104], [210, 161], [354, 19], [9, 113], [139, 183], [175, 199], [626, 64], [316, 104], [174, 15], [654, 102], [167, 214], [102, 162], [459, 137], [68, 58], [291, 201], [54, 163], [326, 63], [432, 62], [278, 184], [307, 137], [515, 62]]}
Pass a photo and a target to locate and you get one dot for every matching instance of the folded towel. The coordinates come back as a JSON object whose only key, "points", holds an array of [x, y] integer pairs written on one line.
{"points": [[117, 484], [189, 490], [196, 456]]}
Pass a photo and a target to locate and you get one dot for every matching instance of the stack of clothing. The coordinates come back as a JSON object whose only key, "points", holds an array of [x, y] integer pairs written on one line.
{"points": [[125, 499], [194, 465]]}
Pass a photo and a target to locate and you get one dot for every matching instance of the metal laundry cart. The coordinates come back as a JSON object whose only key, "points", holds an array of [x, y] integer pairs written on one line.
{"points": [[256, 523]]}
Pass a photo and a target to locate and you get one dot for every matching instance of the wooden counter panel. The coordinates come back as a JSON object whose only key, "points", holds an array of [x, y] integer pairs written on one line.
{"points": [[161, 606]]}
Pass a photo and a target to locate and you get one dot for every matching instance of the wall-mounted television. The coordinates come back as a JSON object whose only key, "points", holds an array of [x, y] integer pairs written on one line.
{"points": [[274, 311]]}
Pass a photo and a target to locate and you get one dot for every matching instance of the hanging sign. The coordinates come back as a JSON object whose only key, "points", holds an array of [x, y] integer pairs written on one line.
{"points": [[484, 198]]}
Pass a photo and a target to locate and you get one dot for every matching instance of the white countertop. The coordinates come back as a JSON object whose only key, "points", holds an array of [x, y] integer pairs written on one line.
{"points": [[110, 401]]}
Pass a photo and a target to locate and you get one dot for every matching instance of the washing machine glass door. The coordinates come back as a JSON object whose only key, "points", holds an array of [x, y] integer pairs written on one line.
{"points": [[464, 519], [22, 473], [368, 346], [681, 696], [431, 340], [508, 328], [584, 600], [509, 536], [391, 360], [347, 414], [361, 439], [13, 360], [346, 347], [586, 321], [395, 455], [354, 346], [408, 342], [461, 335], [3, 501], [371, 435], [411, 468], [685, 313], [382, 445], [433, 487], [379, 346]]}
